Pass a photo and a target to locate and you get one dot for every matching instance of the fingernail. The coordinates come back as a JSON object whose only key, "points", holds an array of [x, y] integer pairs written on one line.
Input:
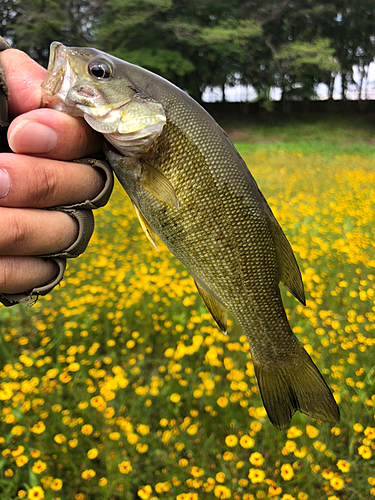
{"points": [[32, 138], [4, 183]]}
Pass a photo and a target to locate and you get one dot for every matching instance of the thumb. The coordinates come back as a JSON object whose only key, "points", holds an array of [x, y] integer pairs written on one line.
{"points": [[23, 76]]}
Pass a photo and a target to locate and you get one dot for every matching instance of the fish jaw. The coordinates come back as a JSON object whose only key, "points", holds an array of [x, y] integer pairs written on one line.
{"points": [[60, 78], [110, 105]]}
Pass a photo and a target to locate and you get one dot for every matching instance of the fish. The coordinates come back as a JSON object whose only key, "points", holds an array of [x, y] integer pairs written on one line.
{"points": [[191, 188]]}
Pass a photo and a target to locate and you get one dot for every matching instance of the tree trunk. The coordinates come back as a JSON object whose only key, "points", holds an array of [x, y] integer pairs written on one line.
{"points": [[344, 85], [331, 87]]}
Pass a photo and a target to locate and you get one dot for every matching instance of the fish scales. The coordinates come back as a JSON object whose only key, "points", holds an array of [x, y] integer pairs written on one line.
{"points": [[189, 186], [209, 231]]}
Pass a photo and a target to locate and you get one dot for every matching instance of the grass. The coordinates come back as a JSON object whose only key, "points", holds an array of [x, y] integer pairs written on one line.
{"points": [[317, 135], [118, 385]]}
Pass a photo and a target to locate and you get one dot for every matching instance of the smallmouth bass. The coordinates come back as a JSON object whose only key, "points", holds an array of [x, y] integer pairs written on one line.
{"points": [[189, 186]]}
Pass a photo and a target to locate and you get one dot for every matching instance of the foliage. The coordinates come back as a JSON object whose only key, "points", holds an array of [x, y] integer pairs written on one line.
{"points": [[199, 43], [33, 24], [119, 386]]}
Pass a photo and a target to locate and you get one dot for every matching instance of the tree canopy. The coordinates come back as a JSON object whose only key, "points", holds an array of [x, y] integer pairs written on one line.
{"points": [[291, 44]]}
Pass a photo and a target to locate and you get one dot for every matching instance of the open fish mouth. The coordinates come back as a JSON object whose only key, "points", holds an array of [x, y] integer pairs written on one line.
{"points": [[109, 104], [60, 78]]}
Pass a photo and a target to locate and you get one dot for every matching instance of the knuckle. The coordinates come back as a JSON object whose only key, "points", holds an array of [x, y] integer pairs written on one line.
{"points": [[14, 231], [45, 189], [8, 272]]}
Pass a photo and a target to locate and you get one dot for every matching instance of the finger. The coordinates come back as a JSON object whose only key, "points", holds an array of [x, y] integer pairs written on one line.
{"points": [[24, 77], [27, 181], [22, 274], [35, 232], [50, 133]]}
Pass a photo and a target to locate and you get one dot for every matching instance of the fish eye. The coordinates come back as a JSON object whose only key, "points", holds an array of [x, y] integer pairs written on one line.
{"points": [[100, 70]]}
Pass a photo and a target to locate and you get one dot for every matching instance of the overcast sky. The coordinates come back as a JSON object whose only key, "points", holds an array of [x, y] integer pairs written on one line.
{"points": [[240, 93]]}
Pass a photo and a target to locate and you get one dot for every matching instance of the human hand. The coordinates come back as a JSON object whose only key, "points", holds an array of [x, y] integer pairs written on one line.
{"points": [[33, 178]]}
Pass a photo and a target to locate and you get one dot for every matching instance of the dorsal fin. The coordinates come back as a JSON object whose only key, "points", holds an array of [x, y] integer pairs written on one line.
{"points": [[216, 308], [290, 274]]}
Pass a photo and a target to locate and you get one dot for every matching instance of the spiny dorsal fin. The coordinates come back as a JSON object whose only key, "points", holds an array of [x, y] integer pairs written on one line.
{"points": [[146, 227], [218, 311], [158, 185]]}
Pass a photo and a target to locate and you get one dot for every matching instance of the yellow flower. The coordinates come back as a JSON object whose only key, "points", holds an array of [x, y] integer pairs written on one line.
{"points": [[18, 451], [98, 402], [143, 429], [222, 491], [369, 432], [247, 441], [59, 438], [343, 465], [196, 471], [141, 447], [231, 440], [56, 485], [256, 458], [183, 462], [287, 472], [220, 477], [21, 460], [256, 475], [327, 474], [312, 431], [337, 483], [35, 493], [293, 432], [365, 452], [145, 492], [38, 428], [39, 467], [87, 429], [358, 427], [274, 491], [103, 481], [222, 402], [125, 467], [93, 453], [88, 474], [175, 398], [65, 378], [18, 430], [289, 447]]}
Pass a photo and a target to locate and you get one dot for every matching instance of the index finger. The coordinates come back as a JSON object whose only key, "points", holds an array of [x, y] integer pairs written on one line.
{"points": [[24, 77]]}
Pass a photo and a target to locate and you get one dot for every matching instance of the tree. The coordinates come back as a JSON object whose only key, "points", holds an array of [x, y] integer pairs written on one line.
{"points": [[31, 25]]}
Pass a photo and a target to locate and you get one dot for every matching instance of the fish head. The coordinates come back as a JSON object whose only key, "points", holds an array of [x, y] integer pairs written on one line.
{"points": [[89, 83]]}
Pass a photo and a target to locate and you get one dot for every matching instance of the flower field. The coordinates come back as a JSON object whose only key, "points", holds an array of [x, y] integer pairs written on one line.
{"points": [[119, 386]]}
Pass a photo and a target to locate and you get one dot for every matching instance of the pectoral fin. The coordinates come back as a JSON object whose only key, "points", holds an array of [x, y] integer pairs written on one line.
{"points": [[218, 311], [146, 227], [158, 185]]}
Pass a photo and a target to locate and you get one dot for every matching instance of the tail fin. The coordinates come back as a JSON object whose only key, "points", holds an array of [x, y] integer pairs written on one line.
{"points": [[296, 386]]}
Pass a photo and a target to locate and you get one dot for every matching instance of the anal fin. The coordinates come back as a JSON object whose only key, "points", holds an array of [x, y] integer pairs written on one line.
{"points": [[217, 310], [146, 227]]}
